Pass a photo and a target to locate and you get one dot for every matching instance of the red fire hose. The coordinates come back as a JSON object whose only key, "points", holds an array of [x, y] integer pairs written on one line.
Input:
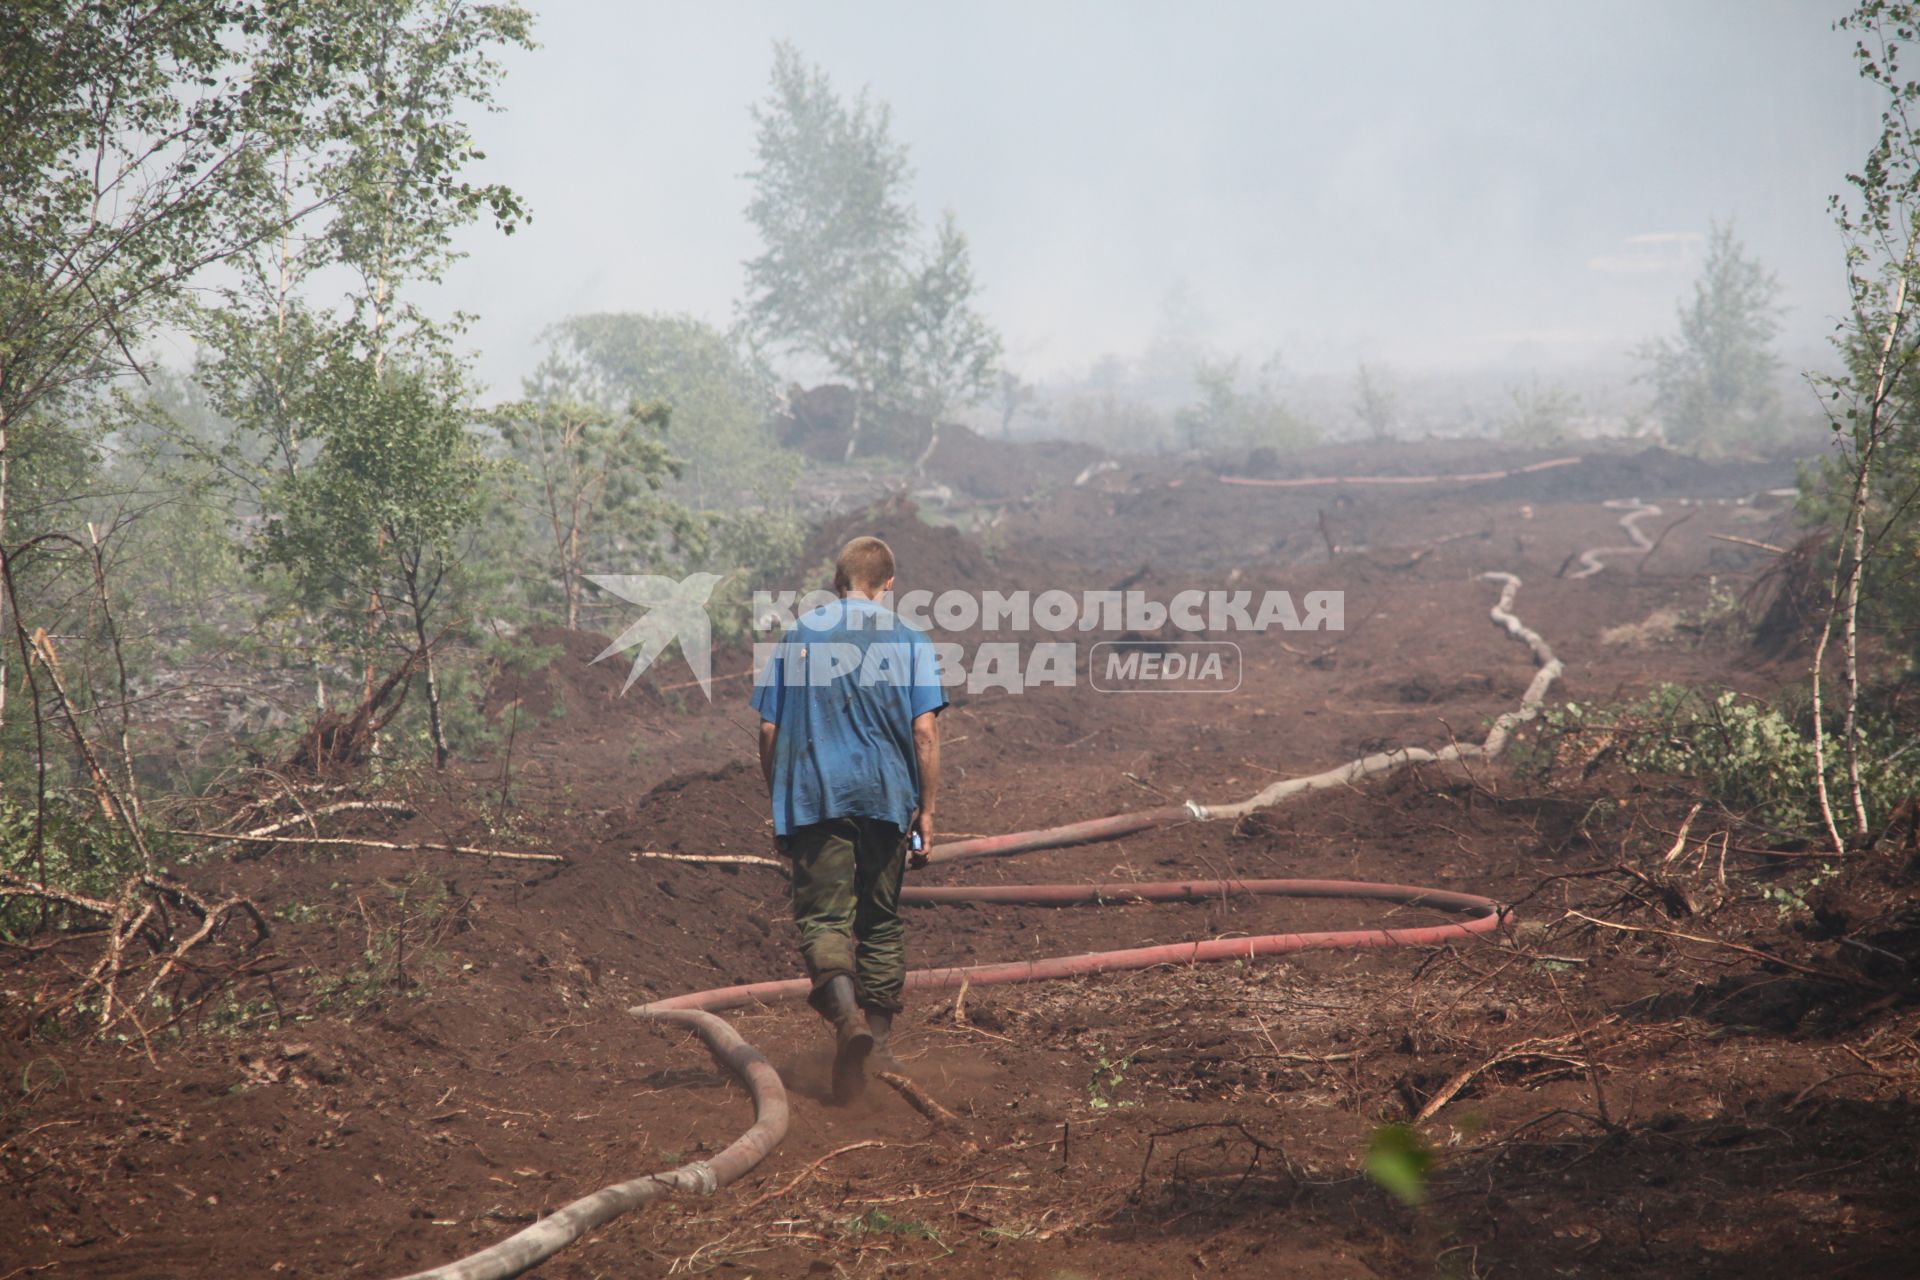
{"points": [[1485, 915], [695, 1009]]}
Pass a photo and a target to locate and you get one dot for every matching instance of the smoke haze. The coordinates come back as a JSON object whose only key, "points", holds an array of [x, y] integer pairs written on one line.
{"points": [[1481, 185]]}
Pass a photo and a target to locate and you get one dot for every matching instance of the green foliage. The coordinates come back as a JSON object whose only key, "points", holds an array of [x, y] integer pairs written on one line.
{"points": [[350, 419], [393, 141], [1226, 417], [120, 181], [400, 476], [708, 487], [1722, 615], [135, 134], [879, 1222], [718, 400], [81, 853], [1109, 1073], [1541, 414], [176, 560], [755, 549], [1869, 403], [944, 354], [831, 207], [587, 482], [1713, 382], [1790, 897], [1015, 394], [840, 280], [51, 464], [403, 939], [1399, 1160], [1750, 756]]}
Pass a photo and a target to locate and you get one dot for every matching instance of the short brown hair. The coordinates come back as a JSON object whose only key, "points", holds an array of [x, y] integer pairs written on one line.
{"points": [[865, 563]]}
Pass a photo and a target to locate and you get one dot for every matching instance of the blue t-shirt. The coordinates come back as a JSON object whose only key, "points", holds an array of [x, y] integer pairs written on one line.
{"points": [[844, 686]]}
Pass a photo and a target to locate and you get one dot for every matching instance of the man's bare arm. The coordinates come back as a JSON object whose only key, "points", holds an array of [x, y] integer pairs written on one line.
{"points": [[926, 751], [768, 733]]}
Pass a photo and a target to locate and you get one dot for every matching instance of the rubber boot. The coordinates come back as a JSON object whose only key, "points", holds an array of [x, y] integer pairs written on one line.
{"points": [[881, 1024], [853, 1041]]}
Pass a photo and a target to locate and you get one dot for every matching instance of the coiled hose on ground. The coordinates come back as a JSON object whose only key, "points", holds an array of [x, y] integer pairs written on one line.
{"points": [[695, 1010]]}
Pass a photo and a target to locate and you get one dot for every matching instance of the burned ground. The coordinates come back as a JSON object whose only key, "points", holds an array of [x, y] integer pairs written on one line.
{"points": [[1714, 1079]]}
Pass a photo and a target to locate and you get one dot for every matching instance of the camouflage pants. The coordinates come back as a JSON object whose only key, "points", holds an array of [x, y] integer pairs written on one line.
{"points": [[846, 900]]}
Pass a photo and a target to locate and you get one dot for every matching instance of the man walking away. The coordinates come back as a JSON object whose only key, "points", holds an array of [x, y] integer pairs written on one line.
{"points": [[850, 746]]}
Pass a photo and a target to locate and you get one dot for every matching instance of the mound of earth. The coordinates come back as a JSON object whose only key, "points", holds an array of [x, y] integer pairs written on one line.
{"points": [[1384, 458], [1650, 473], [560, 677], [819, 421], [937, 559], [995, 470]]}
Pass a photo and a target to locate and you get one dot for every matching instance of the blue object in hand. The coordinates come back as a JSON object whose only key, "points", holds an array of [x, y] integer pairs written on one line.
{"points": [[915, 842]]}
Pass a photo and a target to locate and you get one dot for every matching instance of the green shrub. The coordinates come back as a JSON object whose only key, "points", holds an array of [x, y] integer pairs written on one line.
{"points": [[81, 854], [1752, 756]]}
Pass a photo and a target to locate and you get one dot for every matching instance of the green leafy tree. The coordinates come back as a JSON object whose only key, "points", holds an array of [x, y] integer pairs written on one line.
{"points": [[947, 353], [379, 514], [728, 501], [1714, 381], [1867, 492], [1225, 416], [587, 480], [134, 136], [1015, 394], [841, 279], [143, 144], [384, 148], [719, 400], [831, 207]]}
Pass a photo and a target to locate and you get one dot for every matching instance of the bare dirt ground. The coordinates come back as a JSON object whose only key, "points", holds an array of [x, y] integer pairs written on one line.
{"points": [[431, 1050]]}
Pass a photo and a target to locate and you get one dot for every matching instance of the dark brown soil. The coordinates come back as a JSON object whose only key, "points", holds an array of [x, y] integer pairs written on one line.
{"points": [[432, 1049], [997, 470]]}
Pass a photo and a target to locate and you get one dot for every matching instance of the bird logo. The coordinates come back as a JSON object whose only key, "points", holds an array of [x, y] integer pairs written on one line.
{"points": [[676, 610]]}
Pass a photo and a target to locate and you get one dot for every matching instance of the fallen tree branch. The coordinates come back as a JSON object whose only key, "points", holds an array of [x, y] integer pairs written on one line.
{"points": [[1662, 538], [808, 1172], [306, 817], [725, 859], [418, 846], [938, 1116], [344, 806], [1541, 1047], [12, 886], [150, 891], [1749, 542], [1757, 954]]}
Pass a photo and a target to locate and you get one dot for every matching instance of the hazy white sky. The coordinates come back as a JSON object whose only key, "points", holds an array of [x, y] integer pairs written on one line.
{"points": [[1479, 182]]}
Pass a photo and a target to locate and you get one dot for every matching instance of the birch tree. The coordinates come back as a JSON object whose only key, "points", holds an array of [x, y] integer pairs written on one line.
{"points": [[1870, 486]]}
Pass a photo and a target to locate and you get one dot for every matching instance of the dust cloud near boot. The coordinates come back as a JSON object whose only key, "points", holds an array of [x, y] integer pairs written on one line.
{"points": [[853, 1042]]}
